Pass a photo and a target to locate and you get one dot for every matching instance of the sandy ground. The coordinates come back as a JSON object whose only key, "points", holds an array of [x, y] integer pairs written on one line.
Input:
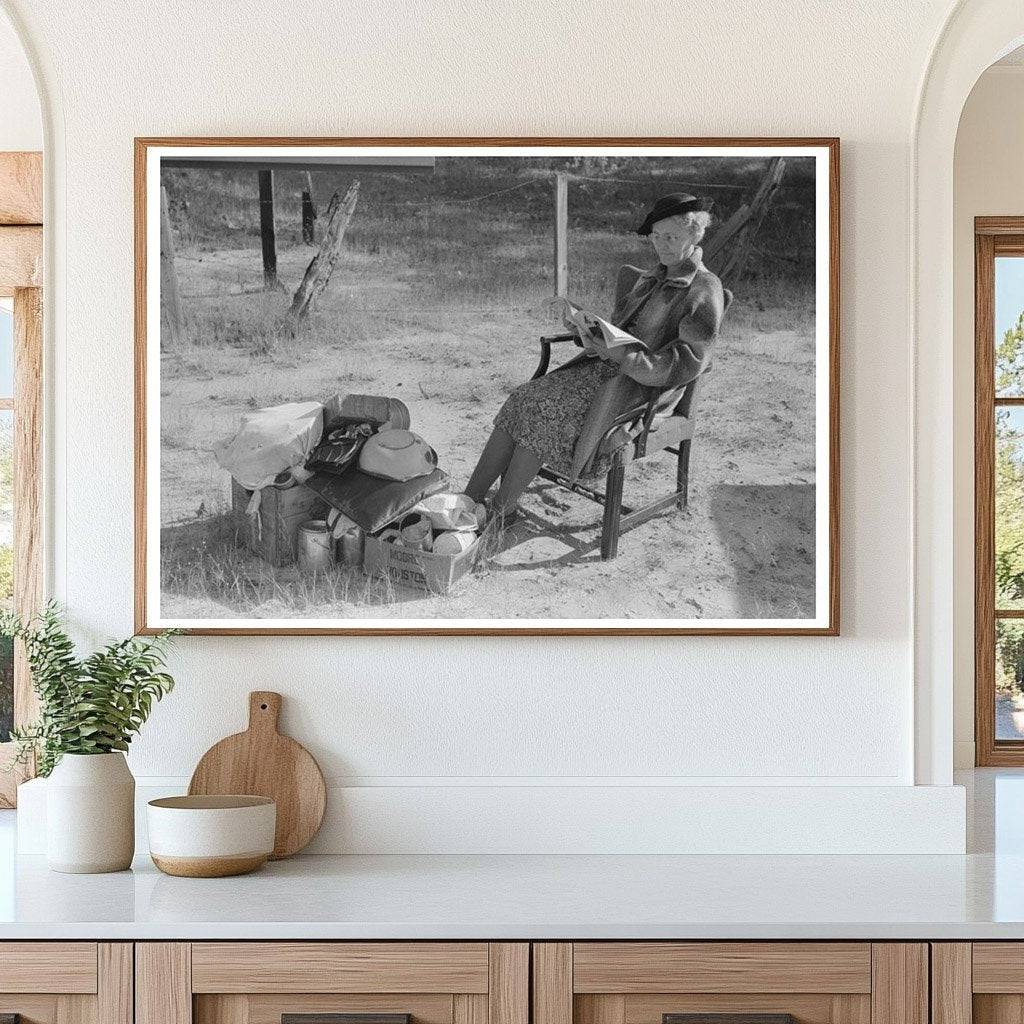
{"points": [[743, 549]]}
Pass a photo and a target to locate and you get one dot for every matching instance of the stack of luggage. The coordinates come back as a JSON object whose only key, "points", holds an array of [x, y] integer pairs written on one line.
{"points": [[347, 482]]}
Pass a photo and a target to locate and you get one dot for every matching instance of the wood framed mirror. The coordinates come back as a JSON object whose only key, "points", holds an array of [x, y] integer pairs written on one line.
{"points": [[21, 363]]}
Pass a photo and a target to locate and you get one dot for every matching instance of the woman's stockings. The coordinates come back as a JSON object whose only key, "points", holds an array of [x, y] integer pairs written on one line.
{"points": [[494, 460], [515, 465], [522, 468]]}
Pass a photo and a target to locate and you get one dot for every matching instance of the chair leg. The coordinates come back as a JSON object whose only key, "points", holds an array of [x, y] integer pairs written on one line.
{"points": [[683, 474], [612, 511]]}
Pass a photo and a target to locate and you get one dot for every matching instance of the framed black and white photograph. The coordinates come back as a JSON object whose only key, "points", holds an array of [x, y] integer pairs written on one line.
{"points": [[484, 386]]}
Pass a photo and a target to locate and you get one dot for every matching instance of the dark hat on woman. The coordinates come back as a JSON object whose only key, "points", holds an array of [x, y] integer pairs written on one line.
{"points": [[669, 206]]}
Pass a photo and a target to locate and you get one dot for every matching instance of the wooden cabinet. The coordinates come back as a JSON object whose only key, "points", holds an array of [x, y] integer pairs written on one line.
{"points": [[66, 982], [815, 982], [494, 983], [980, 982], [259, 982]]}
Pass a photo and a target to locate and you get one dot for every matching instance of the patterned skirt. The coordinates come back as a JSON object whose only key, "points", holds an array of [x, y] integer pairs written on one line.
{"points": [[545, 416]]}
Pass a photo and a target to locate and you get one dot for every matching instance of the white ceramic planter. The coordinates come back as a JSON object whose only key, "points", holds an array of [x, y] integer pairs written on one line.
{"points": [[90, 814]]}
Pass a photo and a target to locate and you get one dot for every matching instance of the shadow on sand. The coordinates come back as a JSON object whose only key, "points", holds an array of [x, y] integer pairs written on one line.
{"points": [[767, 533]]}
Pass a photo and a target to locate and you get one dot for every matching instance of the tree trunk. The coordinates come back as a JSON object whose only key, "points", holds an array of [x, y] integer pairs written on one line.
{"points": [[319, 271], [172, 322], [735, 263]]}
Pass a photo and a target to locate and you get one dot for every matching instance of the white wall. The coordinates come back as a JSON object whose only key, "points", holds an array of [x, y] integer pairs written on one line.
{"points": [[988, 181], [444, 713], [21, 125]]}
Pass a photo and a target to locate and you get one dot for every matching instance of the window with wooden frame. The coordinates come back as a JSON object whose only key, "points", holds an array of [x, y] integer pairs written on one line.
{"points": [[999, 490], [21, 357]]}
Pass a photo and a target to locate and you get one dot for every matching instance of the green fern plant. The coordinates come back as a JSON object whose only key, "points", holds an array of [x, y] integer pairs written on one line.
{"points": [[91, 705]]}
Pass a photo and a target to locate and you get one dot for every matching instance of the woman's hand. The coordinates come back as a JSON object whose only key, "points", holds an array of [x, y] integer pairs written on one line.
{"points": [[574, 318]]}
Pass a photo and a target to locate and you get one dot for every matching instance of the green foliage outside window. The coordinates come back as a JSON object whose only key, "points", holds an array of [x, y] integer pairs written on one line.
{"points": [[1009, 509]]}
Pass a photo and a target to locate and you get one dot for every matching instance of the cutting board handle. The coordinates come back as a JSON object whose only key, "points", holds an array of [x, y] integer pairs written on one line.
{"points": [[264, 710]]}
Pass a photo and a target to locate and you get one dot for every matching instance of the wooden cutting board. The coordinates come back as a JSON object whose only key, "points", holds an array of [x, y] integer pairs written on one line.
{"points": [[262, 762]]}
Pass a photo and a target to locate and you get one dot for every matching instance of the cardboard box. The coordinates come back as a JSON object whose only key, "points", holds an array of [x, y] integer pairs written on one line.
{"points": [[272, 534], [423, 570]]}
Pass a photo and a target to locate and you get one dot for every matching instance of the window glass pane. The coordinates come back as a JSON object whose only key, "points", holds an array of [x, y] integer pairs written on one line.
{"points": [[1009, 322], [6, 564], [1009, 486], [6, 350], [1009, 679]]}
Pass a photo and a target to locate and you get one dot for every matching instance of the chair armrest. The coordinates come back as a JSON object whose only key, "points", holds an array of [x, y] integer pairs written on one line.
{"points": [[624, 419], [644, 414], [643, 411], [545, 350]]}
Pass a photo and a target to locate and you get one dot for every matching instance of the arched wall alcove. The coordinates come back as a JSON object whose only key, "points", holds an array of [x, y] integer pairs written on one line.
{"points": [[975, 35], [21, 123]]}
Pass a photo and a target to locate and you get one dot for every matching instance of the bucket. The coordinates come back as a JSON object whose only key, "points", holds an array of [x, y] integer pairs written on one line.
{"points": [[315, 546], [352, 546]]}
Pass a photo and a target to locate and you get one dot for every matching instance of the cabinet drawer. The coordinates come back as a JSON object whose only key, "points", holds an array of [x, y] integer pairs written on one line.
{"points": [[634, 967], [260, 982], [998, 967], [48, 967], [981, 982], [340, 967], [749, 982], [66, 982]]}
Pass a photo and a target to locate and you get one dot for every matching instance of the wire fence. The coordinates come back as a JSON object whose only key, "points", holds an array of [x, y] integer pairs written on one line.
{"points": [[423, 246]]}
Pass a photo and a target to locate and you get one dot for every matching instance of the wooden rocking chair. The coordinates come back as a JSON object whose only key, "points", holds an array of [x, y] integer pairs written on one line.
{"points": [[666, 419]]}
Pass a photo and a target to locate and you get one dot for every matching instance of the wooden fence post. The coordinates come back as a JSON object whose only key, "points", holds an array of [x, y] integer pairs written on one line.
{"points": [[267, 231], [318, 273], [561, 234], [172, 323], [308, 212]]}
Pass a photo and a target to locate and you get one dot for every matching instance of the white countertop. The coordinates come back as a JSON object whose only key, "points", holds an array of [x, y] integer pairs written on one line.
{"points": [[532, 897], [978, 896]]}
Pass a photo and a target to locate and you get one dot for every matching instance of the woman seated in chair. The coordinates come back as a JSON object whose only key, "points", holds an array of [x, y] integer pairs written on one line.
{"points": [[559, 420]]}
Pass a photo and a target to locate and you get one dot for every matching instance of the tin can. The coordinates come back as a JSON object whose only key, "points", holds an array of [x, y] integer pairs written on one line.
{"points": [[352, 542], [453, 542], [315, 546], [416, 532]]}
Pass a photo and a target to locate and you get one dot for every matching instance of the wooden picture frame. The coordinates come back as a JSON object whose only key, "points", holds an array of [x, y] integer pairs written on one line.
{"points": [[191, 152]]}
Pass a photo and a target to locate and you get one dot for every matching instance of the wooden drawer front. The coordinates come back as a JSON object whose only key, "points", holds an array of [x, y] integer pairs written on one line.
{"points": [[55, 999], [366, 967], [48, 967], [998, 967], [257, 982], [712, 967]]}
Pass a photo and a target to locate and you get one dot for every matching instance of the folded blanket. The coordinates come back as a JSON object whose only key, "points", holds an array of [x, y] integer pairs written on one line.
{"points": [[370, 502]]}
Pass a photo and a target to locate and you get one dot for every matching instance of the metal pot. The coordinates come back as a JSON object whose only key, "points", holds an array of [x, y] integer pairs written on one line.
{"points": [[315, 546]]}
